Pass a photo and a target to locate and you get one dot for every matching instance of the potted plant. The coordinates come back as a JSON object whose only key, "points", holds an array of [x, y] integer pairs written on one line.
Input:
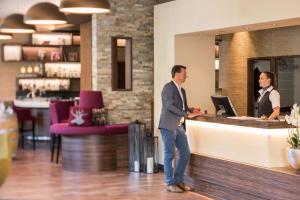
{"points": [[294, 137]]}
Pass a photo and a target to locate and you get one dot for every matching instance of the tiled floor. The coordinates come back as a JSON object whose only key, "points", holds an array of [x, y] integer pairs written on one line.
{"points": [[33, 177]]}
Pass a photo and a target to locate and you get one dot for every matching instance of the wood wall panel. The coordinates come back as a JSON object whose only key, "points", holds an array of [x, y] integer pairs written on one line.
{"points": [[94, 153], [228, 180], [9, 70], [86, 56]]}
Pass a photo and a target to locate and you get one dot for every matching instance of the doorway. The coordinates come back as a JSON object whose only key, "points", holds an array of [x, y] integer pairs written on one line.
{"points": [[287, 73]]}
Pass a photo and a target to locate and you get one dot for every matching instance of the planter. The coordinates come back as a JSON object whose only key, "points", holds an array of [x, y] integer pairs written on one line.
{"points": [[294, 158], [5, 155]]}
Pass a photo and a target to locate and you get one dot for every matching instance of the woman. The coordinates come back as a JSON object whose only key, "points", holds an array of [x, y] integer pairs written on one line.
{"points": [[269, 100]]}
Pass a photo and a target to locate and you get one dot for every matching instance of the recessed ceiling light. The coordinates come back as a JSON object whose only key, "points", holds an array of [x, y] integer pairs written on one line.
{"points": [[84, 7], [274, 24], [44, 13]]}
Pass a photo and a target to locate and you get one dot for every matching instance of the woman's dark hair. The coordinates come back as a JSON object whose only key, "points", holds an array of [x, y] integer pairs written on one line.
{"points": [[177, 69], [272, 77]]}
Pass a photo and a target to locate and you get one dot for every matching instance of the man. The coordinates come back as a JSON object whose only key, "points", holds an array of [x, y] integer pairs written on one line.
{"points": [[174, 111]]}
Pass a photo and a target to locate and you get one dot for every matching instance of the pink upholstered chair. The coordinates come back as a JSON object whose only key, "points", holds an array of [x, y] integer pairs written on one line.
{"points": [[59, 113], [92, 99]]}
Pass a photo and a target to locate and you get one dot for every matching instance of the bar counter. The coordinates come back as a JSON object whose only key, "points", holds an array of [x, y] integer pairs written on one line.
{"points": [[32, 103], [40, 110]]}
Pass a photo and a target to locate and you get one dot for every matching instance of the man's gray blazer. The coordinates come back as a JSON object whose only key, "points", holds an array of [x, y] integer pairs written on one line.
{"points": [[172, 107]]}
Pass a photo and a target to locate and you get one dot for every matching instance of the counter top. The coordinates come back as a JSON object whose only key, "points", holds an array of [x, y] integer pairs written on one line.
{"points": [[32, 103], [247, 122]]}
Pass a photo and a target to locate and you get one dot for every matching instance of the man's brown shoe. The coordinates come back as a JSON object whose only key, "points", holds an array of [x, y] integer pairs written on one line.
{"points": [[185, 187], [174, 188]]}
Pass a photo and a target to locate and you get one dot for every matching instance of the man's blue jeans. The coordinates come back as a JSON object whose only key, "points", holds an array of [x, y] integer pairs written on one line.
{"points": [[172, 139]]}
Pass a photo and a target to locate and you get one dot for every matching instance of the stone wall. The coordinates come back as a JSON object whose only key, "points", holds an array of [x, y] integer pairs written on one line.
{"points": [[236, 48], [129, 18]]}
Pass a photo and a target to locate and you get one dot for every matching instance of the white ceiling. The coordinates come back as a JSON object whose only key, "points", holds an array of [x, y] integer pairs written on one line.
{"points": [[8, 7]]}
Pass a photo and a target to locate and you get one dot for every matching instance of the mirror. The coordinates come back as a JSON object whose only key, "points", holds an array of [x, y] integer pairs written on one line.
{"points": [[121, 63]]}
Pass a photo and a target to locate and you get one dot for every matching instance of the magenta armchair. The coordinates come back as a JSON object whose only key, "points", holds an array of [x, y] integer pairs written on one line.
{"points": [[91, 99], [59, 113]]}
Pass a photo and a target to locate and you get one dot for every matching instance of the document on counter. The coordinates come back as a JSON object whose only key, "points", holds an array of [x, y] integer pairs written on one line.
{"points": [[244, 118]]}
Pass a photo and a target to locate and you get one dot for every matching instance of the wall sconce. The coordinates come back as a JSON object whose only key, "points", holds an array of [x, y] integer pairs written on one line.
{"points": [[217, 64]]}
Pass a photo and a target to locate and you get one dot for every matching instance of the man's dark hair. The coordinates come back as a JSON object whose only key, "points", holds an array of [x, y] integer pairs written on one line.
{"points": [[177, 69]]}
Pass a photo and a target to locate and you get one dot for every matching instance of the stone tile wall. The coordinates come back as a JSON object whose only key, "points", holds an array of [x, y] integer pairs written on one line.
{"points": [[129, 18]]}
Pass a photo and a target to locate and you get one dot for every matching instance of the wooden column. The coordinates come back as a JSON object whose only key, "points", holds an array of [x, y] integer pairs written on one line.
{"points": [[86, 56]]}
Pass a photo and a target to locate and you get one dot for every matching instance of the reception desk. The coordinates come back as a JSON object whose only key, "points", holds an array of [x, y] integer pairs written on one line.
{"points": [[240, 159], [244, 140]]}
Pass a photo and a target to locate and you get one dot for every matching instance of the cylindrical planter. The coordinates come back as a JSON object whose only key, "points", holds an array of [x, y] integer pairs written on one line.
{"points": [[136, 134], [293, 156], [5, 155], [151, 154]]}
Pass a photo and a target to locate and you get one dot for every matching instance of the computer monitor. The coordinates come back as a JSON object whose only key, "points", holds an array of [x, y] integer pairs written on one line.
{"points": [[223, 106]]}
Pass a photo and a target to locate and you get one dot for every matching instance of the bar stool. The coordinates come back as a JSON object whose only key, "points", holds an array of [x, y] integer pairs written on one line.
{"points": [[24, 115]]}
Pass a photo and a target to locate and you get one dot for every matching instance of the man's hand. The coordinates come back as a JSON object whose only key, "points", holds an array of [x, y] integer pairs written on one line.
{"points": [[194, 114], [197, 110]]}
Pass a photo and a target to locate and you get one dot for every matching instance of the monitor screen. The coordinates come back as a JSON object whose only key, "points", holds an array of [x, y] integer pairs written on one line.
{"points": [[223, 106]]}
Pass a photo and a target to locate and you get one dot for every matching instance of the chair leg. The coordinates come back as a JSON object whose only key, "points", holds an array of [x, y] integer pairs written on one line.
{"points": [[58, 148], [53, 143], [22, 134], [33, 134]]}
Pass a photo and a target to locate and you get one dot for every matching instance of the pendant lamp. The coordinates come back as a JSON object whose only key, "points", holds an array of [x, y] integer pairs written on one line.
{"points": [[84, 7], [5, 36], [44, 13], [14, 24]]}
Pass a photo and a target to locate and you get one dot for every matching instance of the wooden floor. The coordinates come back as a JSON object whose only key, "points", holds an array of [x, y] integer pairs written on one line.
{"points": [[33, 177]]}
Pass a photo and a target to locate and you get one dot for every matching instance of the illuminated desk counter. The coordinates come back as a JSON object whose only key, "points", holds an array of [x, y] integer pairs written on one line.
{"points": [[253, 142]]}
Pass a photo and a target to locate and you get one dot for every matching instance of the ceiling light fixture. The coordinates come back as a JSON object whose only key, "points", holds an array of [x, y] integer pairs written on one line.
{"points": [[44, 13], [5, 36], [14, 24], [84, 7]]}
